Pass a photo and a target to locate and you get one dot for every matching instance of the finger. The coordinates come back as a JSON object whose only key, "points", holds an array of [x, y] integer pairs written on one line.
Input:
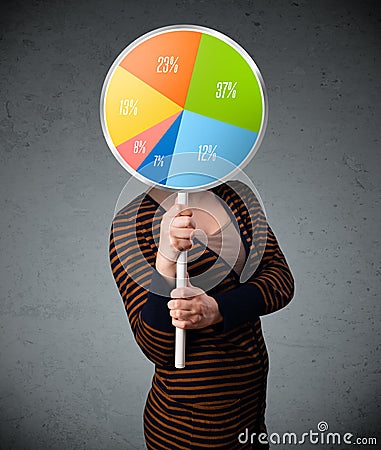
{"points": [[186, 292], [185, 315], [182, 244], [179, 315], [183, 222], [179, 305], [184, 210], [178, 209], [181, 233], [183, 324]]}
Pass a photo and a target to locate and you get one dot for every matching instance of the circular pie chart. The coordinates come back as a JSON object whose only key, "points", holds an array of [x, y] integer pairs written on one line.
{"points": [[183, 107]]}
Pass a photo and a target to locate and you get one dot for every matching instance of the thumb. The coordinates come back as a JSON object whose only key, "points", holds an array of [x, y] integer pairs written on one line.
{"points": [[189, 284]]}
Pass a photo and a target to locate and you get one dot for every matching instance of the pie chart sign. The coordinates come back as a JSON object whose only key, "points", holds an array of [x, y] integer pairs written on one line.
{"points": [[183, 107]]}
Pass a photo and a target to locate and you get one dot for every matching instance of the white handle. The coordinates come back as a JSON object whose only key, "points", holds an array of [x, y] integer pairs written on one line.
{"points": [[181, 281]]}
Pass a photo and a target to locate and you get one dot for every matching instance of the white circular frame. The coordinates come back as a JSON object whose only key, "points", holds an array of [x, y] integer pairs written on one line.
{"points": [[203, 30]]}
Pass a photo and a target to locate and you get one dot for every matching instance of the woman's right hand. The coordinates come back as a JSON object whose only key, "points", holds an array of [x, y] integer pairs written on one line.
{"points": [[176, 229]]}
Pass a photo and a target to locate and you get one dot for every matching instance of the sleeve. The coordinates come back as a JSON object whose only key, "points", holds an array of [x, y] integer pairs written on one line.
{"points": [[269, 289], [271, 285], [132, 258]]}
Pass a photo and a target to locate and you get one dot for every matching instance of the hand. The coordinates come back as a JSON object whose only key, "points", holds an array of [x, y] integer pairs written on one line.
{"points": [[194, 307], [176, 228]]}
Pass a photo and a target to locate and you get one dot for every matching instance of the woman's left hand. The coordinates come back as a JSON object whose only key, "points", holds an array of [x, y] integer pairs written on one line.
{"points": [[192, 308]]}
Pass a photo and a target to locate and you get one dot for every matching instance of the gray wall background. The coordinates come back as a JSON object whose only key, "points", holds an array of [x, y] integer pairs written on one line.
{"points": [[71, 375]]}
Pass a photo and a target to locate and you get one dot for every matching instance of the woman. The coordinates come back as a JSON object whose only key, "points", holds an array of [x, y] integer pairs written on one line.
{"points": [[221, 392]]}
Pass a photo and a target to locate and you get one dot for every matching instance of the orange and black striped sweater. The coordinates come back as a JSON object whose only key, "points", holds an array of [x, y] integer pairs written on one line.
{"points": [[222, 390]]}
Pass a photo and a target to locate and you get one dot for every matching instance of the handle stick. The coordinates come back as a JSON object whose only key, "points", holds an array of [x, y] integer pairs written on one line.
{"points": [[181, 280]]}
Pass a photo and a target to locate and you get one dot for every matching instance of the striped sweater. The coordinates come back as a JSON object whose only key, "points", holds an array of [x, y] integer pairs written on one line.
{"points": [[223, 386]]}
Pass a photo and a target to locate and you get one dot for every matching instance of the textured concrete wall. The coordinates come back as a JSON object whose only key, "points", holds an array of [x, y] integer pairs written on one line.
{"points": [[71, 375]]}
